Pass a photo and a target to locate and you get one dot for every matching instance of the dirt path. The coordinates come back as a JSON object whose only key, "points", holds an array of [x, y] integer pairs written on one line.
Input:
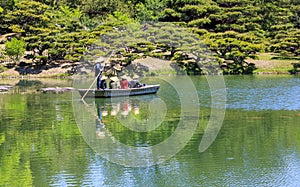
{"points": [[154, 64]]}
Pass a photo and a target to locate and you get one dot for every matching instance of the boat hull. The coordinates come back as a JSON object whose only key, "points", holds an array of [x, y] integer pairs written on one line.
{"points": [[150, 89]]}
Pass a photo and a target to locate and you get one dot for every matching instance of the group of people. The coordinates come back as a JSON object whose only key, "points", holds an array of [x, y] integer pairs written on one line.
{"points": [[104, 82], [125, 84]]}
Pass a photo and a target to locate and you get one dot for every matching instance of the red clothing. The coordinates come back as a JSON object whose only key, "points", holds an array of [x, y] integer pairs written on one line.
{"points": [[124, 84]]}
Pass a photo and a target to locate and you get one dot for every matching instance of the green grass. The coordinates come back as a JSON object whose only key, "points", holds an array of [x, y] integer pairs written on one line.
{"points": [[277, 56], [275, 63], [2, 68], [273, 70]]}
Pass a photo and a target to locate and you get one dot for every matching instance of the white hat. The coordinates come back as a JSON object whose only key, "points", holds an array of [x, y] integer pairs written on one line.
{"points": [[117, 67], [104, 113]]}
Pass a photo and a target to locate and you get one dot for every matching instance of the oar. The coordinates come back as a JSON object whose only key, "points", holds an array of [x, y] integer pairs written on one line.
{"points": [[82, 98]]}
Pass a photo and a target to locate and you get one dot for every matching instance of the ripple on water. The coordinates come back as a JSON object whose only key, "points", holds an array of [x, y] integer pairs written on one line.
{"points": [[264, 94]]}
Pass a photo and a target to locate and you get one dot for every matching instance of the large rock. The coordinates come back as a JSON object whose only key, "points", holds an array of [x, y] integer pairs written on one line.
{"points": [[56, 89], [5, 88]]}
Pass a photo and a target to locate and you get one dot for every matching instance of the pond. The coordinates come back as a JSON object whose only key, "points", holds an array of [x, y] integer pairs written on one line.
{"points": [[154, 140]]}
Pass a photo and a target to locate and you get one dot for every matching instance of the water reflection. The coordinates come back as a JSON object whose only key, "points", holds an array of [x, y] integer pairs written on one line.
{"points": [[99, 122], [140, 126], [123, 109], [122, 106], [264, 93], [40, 144], [33, 85]]}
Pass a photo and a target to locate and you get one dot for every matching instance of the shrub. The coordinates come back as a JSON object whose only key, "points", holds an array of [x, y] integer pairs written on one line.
{"points": [[15, 49], [2, 68]]}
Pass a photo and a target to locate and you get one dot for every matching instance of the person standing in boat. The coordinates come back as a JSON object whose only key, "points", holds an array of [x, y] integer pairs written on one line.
{"points": [[98, 74]]}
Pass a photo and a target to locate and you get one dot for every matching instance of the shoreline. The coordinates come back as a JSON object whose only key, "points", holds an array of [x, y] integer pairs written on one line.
{"points": [[5, 75], [266, 64], [58, 76]]}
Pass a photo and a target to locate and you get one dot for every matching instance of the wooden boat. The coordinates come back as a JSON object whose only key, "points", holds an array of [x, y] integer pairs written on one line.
{"points": [[149, 89]]}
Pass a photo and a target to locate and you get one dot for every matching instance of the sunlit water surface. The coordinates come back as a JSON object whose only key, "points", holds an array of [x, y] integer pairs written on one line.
{"points": [[42, 142]]}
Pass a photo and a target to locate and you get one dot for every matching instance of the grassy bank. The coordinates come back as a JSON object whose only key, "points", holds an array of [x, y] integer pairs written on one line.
{"points": [[270, 63]]}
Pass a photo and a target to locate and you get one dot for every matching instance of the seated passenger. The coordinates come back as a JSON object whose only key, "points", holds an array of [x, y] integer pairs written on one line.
{"points": [[124, 83], [114, 82], [135, 84], [113, 85]]}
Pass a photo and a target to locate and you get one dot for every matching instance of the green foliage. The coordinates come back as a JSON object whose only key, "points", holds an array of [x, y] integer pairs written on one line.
{"points": [[230, 3], [170, 15], [68, 18], [16, 28], [119, 19], [7, 5], [200, 23], [232, 29], [27, 14], [2, 69], [200, 32], [234, 48], [191, 12], [89, 23], [150, 10], [15, 49], [287, 42], [161, 40], [95, 8]]}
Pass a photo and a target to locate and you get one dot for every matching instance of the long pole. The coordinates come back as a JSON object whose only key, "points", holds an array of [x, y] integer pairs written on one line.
{"points": [[82, 98]]}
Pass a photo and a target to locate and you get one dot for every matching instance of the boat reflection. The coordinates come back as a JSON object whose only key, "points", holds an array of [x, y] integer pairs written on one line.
{"points": [[132, 112], [128, 126], [122, 106], [99, 123]]}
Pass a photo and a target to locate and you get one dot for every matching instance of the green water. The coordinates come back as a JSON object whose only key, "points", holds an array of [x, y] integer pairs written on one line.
{"points": [[57, 140]]}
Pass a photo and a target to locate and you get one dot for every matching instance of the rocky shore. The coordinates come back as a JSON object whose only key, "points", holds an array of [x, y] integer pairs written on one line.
{"points": [[151, 66]]}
